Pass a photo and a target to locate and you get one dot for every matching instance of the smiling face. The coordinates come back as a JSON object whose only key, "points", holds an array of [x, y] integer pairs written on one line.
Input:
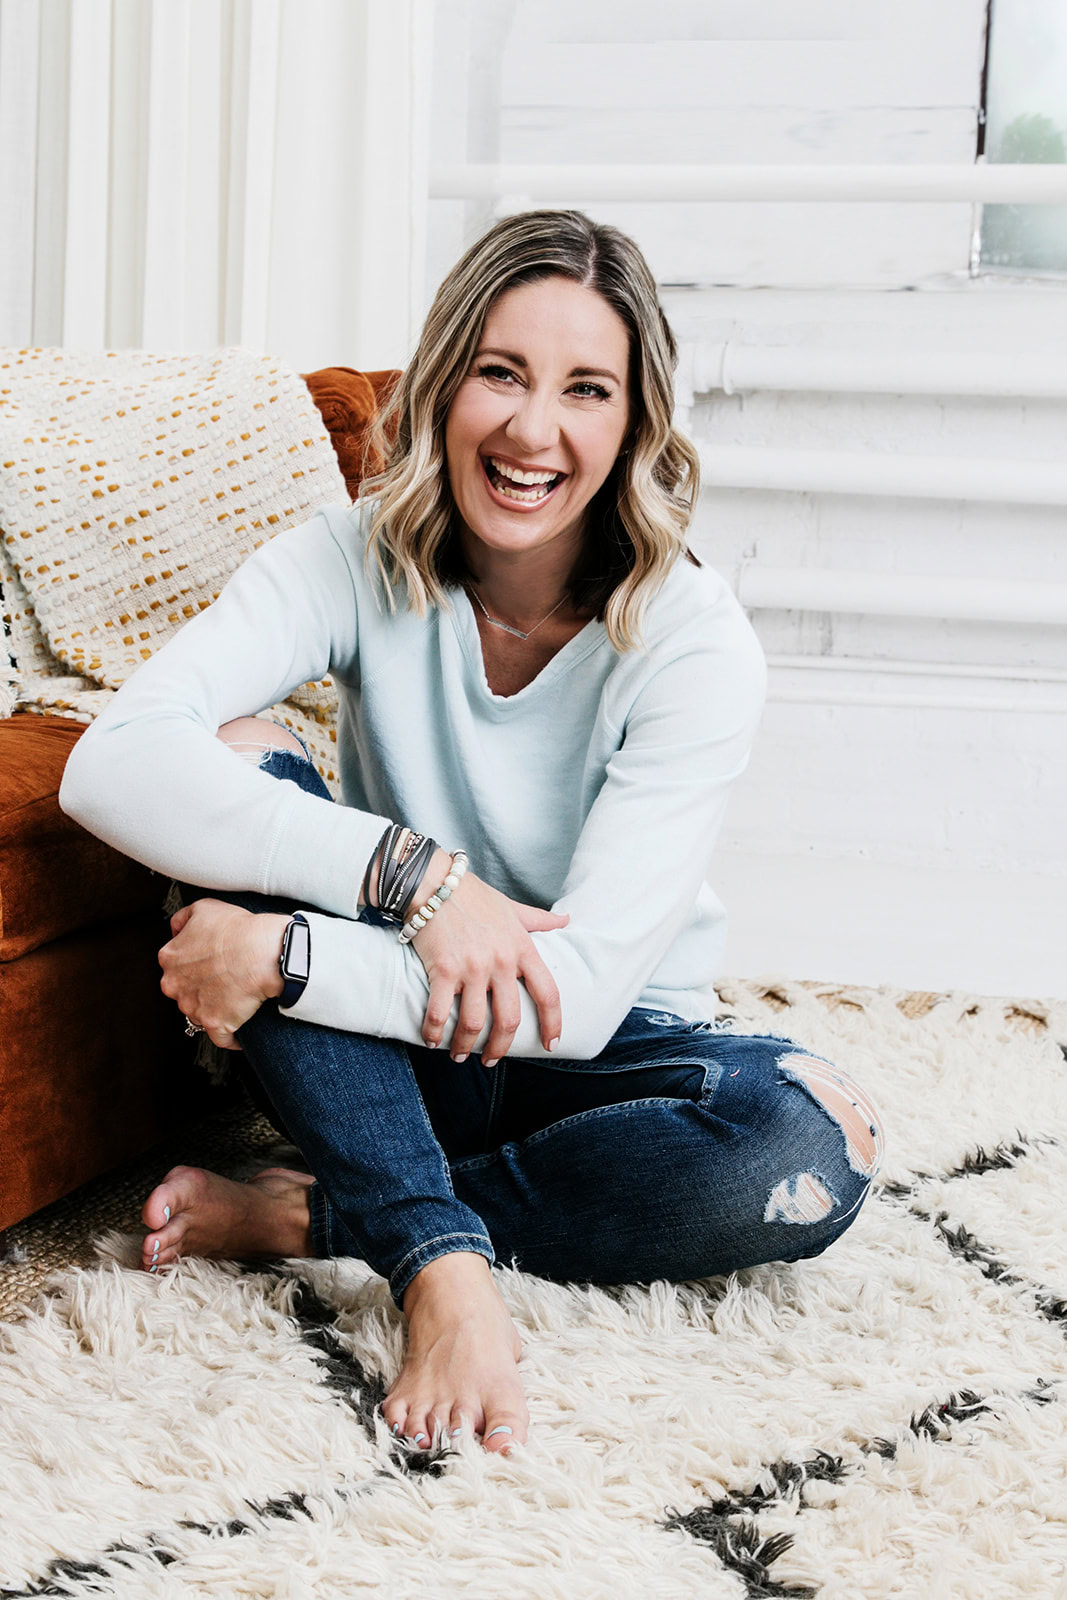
{"points": [[538, 421]]}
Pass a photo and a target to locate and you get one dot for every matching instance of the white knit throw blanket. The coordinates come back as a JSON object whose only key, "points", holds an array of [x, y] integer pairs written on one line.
{"points": [[131, 486]]}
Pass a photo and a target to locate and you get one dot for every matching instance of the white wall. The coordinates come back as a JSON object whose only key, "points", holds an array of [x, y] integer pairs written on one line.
{"points": [[903, 817], [183, 174]]}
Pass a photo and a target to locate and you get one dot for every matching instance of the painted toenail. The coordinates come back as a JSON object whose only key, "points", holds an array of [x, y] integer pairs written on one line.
{"points": [[166, 1212], [452, 1435], [420, 1438], [503, 1428], [395, 1429]]}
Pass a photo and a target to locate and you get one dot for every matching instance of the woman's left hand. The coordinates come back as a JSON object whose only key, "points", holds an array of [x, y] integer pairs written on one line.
{"points": [[220, 964]]}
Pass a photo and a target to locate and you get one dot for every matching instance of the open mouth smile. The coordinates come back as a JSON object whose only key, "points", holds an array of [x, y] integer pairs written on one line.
{"points": [[518, 488]]}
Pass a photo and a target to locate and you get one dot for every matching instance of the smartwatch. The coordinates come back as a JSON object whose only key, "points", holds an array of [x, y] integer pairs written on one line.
{"points": [[294, 963]]}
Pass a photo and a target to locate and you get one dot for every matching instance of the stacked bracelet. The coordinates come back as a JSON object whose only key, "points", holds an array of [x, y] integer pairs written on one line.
{"points": [[460, 862], [364, 893], [400, 870]]}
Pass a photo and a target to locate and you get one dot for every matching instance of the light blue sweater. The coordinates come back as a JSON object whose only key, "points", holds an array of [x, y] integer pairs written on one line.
{"points": [[598, 789]]}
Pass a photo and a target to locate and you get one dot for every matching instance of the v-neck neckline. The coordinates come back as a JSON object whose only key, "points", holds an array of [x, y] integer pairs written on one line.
{"points": [[583, 643]]}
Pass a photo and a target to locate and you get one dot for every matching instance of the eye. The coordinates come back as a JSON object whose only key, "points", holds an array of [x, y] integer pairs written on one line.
{"points": [[490, 371], [597, 390]]}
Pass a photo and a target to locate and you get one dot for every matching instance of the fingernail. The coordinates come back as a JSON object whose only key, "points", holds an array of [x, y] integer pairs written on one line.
{"points": [[166, 1212], [153, 1267], [503, 1428], [395, 1429], [420, 1438], [488, 1064], [452, 1435], [458, 1059], [552, 1043]]}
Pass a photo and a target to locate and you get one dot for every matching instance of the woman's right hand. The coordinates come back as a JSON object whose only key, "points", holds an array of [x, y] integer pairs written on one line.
{"points": [[478, 945]]}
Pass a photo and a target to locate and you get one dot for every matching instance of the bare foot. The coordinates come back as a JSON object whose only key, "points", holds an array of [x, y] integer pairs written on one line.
{"points": [[198, 1213], [461, 1362]]}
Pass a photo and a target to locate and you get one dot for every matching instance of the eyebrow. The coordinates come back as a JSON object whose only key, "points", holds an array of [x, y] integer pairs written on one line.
{"points": [[575, 372]]}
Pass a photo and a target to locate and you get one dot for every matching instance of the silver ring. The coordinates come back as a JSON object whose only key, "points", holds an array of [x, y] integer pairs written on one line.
{"points": [[192, 1028]]}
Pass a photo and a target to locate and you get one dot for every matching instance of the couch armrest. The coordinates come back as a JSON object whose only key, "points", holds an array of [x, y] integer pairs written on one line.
{"points": [[349, 401]]}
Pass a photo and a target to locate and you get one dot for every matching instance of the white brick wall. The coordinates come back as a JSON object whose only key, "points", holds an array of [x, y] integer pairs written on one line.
{"points": [[903, 816]]}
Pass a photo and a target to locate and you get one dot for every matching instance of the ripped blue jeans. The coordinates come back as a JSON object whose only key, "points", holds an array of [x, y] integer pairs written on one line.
{"points": [[683, 1149]]}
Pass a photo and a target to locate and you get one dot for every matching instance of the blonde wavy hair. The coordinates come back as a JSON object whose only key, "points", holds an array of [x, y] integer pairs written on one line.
{"points": [[637, 521]]}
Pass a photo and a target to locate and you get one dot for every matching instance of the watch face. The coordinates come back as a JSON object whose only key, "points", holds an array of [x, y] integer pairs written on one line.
{"points": [[296, 956]]}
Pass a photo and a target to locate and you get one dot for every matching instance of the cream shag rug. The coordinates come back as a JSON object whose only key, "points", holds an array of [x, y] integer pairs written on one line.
{"points": [[885, 1420]]}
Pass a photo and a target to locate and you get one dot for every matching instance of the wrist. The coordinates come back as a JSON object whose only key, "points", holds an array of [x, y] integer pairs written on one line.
{"points": [[421, 912], [268, 928], [436, 873]]}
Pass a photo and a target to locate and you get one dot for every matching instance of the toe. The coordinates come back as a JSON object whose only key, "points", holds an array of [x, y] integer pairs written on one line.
{"points": [[418, 1427], [162, 1244], [504, 1429], [158, 1249], [439, 1426], [465, 1417], [395, 1413], [161, 1205]]}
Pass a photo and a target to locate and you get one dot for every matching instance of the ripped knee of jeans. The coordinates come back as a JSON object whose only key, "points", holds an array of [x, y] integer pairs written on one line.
{"points": [[257, 752], [803, 1198], [808, 1196], [845, 1102], [248, 738]]}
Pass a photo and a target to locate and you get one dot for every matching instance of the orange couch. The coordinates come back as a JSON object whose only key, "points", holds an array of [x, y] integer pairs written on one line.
{"points": [[94, 1063]]}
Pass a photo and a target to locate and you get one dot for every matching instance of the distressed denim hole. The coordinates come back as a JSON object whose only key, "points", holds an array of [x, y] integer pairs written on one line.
{"points": [[662, 1019], [803, 1198], [254, 755], [260, 755], [845, 1103], [256, 752]]}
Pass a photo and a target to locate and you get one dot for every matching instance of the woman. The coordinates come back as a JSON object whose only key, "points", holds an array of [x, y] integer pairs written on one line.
{"points": [[532, 669]]}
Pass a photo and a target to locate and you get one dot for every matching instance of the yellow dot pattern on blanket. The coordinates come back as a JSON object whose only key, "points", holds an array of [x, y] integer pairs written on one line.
{"points": [[132, 485]]}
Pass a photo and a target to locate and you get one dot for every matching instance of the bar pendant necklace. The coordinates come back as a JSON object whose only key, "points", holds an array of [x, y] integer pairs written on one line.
{"points": [[506, 626]]}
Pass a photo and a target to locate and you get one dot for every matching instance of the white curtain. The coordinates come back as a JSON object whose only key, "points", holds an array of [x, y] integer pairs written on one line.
{"points": [[181, 174]]}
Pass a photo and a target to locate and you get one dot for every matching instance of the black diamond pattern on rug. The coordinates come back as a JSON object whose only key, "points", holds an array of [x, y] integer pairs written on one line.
{"points": [[725, 1523]]}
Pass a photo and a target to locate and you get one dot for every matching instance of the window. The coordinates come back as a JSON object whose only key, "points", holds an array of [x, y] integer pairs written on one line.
{"points": [[1026, 121]]}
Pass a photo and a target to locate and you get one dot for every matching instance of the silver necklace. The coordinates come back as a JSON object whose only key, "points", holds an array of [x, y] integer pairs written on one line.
{"points": [[506, 626]]}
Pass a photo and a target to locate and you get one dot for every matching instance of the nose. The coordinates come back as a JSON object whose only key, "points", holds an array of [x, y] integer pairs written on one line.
{"points": [[534, 424]]}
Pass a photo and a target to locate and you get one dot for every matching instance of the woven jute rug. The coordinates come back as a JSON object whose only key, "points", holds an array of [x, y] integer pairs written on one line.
{"points": [[884, 1420]]}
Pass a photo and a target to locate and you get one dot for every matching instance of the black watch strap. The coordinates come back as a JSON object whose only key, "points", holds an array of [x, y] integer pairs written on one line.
{"points": [[294, 962]]}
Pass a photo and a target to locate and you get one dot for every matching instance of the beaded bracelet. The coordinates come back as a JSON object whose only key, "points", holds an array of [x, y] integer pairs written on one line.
{"points": [[460, 863]]}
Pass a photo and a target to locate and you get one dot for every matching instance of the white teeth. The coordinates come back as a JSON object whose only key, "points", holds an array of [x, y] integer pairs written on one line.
{"points": [[522, 477], [529, 496]]}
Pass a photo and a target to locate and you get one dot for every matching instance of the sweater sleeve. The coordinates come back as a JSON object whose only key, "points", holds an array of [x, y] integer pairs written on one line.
{"points": [[640, 862], [150, 777]]}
